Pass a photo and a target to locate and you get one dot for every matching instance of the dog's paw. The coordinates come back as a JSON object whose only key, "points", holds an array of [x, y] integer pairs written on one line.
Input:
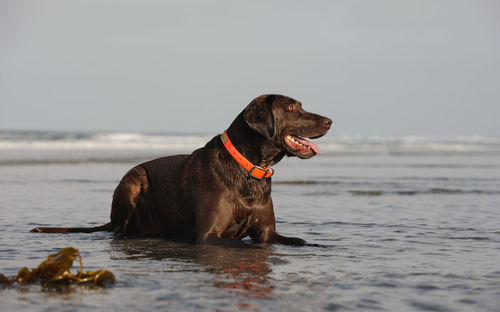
{"points": [[295, 241]]}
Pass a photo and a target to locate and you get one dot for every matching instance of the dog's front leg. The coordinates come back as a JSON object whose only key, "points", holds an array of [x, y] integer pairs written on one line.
{"points": [[271, 236]]}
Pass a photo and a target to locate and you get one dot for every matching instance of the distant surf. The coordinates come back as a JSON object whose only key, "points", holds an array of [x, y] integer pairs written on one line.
{"points": [[19, 147], [103, 140]]}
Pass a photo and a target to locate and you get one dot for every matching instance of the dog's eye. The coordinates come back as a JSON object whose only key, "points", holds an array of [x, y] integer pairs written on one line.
{"points": [[291, 108]]}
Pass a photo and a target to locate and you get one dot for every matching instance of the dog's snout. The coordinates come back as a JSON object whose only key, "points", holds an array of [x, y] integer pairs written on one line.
{"points": [[327, 122]]}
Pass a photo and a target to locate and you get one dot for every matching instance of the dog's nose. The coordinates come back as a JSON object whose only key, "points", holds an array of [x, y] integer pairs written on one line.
{"points": [[327, 122]]}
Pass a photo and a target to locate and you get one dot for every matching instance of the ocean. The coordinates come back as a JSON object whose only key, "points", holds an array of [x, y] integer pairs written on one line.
{"points": [[396, 224]]}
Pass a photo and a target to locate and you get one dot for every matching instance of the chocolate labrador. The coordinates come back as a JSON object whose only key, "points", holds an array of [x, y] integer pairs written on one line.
{"points": [[220, 193]]}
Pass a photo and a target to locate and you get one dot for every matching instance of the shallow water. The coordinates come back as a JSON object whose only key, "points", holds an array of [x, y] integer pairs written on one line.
{"points": [[393, 232]]}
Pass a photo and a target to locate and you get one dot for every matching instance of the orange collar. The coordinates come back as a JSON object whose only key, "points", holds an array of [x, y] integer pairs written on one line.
{"points": [[256, 172]]}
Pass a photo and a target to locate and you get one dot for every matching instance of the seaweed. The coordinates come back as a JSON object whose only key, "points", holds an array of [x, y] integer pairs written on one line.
{"points": [[4, 280], [55, 272]]}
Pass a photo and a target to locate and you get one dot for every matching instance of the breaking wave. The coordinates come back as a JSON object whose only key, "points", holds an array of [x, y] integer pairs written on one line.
{"points": [[104, 141], [334, 144], [19, 147]]}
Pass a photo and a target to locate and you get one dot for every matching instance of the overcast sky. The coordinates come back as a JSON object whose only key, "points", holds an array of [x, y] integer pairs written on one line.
{"points": [[390, 68]]}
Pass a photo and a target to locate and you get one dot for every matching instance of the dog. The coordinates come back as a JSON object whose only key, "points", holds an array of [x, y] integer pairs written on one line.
{"points": [[221, 192]]}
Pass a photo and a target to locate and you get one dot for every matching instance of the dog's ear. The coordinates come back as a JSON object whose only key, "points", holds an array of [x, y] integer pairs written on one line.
{"points": [[259, 115]]}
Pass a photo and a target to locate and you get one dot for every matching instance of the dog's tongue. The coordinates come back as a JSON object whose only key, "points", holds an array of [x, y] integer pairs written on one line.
{"points": [[307, 143]]}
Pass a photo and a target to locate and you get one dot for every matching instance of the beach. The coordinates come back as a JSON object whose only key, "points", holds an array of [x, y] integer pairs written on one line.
{"points": [[397, 224]]}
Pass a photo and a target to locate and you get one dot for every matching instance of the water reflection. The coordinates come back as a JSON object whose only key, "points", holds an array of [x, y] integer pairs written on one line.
{"points": [[238, 270]]}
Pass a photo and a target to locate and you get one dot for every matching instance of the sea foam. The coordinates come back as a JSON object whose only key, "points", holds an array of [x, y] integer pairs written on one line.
{"points": [[33, 145]]}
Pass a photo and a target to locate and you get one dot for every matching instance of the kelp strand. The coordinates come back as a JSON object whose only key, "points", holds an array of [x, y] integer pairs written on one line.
{"points": [[55, 270]]}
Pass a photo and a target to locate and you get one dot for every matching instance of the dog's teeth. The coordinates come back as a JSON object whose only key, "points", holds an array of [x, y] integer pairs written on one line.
{"points": [[292, 138]]}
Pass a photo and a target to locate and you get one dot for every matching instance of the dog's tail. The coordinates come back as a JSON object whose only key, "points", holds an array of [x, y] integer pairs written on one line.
{"points": [[106, 227]]}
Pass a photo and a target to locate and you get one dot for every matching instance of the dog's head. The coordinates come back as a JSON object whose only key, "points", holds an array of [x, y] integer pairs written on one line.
{"points": [[282, 120]]}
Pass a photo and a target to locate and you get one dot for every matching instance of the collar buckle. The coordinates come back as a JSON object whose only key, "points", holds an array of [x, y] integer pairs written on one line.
{"points": [[266, 172]]}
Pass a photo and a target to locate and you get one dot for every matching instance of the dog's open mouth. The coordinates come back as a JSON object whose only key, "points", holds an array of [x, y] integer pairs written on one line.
{"points": [[301, 145]]}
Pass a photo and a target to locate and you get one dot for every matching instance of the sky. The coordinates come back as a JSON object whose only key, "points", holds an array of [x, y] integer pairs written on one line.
{"points": [[388, 68]]}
